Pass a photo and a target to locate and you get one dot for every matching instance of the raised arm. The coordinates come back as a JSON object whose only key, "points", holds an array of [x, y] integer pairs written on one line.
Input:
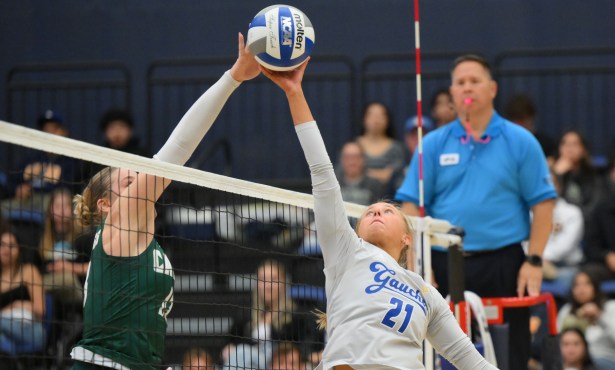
{"points": [[334, 231], [132, 214], [290, 83]]}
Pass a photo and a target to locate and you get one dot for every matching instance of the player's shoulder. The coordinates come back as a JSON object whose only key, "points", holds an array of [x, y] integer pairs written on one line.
{"points": [[428, 294], [422, 286]]}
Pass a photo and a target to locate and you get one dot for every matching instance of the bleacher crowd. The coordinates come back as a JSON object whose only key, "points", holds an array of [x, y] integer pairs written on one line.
{"points": [[276, 279]]}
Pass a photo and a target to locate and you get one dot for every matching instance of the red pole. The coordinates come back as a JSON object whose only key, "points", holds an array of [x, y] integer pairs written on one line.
{"points": [[419, 105]]}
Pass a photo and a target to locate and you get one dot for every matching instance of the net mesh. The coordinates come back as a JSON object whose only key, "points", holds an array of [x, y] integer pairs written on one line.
{"points": [[247, 267], [246, 263]]}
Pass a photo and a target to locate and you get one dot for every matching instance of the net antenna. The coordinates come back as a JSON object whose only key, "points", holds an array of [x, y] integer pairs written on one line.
{"points": [[419, 104], [424, 255]]}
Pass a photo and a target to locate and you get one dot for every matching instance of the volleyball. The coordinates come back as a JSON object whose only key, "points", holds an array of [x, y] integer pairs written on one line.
{"points": [[281, 37]]}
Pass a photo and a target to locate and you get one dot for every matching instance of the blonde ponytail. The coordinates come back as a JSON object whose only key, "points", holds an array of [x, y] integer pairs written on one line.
{"points": [[86, 204], [321, 319]]}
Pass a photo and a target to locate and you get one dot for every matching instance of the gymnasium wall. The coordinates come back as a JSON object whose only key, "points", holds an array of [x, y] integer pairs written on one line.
{"points": [[135, 33]]}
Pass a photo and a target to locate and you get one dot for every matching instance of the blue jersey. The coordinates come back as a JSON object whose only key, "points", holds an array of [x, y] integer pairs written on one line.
{"points": [[487, 187]]}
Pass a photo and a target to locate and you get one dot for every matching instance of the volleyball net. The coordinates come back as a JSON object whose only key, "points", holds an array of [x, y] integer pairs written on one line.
{"points": [[246, 261]]}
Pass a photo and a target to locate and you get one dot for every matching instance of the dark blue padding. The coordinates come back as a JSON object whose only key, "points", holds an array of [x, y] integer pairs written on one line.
{"points": [[204, 231], [308, 293], [309, 250], [557, 289], [608, 287], [25, 215], [48, 317]]}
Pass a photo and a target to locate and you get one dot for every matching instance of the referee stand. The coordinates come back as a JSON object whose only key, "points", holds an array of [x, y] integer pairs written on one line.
{"points": [[482, 313]]}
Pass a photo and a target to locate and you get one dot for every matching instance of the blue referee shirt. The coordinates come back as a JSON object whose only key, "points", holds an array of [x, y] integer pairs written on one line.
{"points": [[486, 187]]}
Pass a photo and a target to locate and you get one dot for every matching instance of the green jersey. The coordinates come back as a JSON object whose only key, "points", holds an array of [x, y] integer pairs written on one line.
{"points": [[125, 308]]}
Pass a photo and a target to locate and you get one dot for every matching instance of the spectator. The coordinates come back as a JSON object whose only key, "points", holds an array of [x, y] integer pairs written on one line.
{"points": [[442, 107], [580, 182], [274, 317], [411, 132], [64, 266], [411, 140], [117, 126], [41, 172], [356, 186], [197, 358], [287, 356], [486, 177], [562, 257], [384, 155], [563, 253], [22, 303], [600, 239], [521, 110], [574, 349], [52, 122], [589, 311]]}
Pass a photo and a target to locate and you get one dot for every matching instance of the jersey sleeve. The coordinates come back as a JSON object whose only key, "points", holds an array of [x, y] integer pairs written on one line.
{"points": [[534, 176], [195, 123], [335, 234], [444, 333]]}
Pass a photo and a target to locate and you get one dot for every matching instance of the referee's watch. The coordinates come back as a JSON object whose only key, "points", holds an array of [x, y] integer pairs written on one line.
{"points": [[534, 260]]}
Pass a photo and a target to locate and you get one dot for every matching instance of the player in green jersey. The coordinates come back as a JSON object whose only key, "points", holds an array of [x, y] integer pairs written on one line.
{"points": [[129, 287]]}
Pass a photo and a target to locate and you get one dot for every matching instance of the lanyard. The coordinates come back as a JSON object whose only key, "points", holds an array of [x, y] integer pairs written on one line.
{"points": [[469, 133]]}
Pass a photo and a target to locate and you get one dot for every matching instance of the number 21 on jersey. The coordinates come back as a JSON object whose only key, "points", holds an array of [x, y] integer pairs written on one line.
{"points": [[400, 312]]}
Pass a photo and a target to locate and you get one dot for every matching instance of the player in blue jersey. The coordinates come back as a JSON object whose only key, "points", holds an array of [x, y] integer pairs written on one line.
{"points": [[379, 312]]}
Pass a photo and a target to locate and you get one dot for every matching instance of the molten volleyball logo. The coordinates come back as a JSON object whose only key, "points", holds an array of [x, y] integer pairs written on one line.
{"points": [[281, 37]]}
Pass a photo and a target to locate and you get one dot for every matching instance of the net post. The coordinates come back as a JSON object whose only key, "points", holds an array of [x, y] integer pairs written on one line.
{"points": [[456, 281]]}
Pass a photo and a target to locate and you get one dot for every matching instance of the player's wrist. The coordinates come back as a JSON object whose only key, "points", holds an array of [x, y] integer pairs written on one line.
{"points": [[534, 260], [295, 92], [233, 76]]}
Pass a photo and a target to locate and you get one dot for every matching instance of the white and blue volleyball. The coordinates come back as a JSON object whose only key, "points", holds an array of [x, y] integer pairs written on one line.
{"points": [[281, 37]]}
